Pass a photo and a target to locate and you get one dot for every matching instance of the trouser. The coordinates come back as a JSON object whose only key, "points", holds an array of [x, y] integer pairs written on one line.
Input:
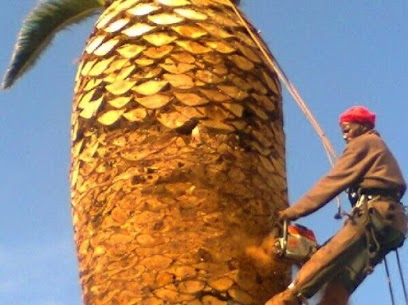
{"points": [[364, 240]]}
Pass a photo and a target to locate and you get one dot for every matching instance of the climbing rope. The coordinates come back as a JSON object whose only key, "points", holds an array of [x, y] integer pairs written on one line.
{"points": [[387, 270], [331, 153], [404, 288], [328, 147]]}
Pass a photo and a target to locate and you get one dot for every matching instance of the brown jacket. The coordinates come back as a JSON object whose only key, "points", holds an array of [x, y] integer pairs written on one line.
{"points": [[366, 162]]}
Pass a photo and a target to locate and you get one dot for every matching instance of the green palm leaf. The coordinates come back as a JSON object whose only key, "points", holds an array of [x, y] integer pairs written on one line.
{"points": [[40, 27]]}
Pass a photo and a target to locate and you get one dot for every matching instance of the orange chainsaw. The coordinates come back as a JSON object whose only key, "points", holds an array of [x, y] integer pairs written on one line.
{"points": [[295, 242]]}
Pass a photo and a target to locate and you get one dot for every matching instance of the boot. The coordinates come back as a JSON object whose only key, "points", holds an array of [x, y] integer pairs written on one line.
{"points": [[286, 297], [334, 294]]}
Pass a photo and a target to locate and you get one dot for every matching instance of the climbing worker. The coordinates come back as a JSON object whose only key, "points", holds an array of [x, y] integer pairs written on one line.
{"points": [[377, 224]]}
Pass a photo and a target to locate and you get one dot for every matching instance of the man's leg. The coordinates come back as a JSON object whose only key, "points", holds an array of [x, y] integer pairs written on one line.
{"points": [[343, 260], [330, 259], [334, 294], [287, 297], [324, 265], [358, 266]]}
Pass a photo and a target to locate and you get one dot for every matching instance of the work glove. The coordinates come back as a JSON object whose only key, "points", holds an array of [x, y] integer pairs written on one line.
{"points": [[286, 215]]}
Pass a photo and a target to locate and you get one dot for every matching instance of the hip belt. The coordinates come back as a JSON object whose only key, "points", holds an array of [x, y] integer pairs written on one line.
{"points": [[381, 194]]}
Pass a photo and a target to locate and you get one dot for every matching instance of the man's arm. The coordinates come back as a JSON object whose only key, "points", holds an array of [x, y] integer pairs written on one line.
{"points": [[347, 171]]}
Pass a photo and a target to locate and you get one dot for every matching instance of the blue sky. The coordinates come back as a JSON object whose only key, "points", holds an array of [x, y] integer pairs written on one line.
{"points": [[337, 53]]}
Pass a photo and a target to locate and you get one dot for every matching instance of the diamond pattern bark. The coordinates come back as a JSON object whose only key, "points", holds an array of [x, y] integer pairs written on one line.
{"points": [[178, 159]]}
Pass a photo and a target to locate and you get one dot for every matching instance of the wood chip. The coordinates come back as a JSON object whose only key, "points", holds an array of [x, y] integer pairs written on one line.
{"points": [[130, 50], [159, 39], [221, 47], [138, 29], [174, 3], [93, 43], [177, 69], [193, 47], [242, 63], [143, 9], [158, 52], [154, 101], [165, 19], [190, 31], [150, 87], [100, 67], [120, 102], [120, 87], [110, 117], [135, 115], [117, 25], [191, 99], [180, 81], [106, 47], [191, 14], [91, 108]]}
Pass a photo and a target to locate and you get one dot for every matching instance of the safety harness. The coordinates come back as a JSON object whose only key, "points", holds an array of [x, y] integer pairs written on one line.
{"points": [[373, 224], [371, 221]]}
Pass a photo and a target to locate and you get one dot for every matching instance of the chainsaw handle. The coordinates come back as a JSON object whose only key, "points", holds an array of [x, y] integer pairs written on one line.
{"points": [[284, 239]]}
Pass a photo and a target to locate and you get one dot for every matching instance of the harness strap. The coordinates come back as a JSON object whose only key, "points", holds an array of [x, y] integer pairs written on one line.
{"points": [[373, 246], [302, 298]]}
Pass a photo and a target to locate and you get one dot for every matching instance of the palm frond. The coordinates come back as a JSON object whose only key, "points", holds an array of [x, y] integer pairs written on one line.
{"points": [[40, 27]]}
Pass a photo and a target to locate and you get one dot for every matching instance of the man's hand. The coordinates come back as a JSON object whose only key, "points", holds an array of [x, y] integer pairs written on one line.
{"points": [[286, 215]]}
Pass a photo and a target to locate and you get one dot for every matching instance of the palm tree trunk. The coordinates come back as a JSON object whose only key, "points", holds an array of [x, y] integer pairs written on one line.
{"points": [[178, 160]]}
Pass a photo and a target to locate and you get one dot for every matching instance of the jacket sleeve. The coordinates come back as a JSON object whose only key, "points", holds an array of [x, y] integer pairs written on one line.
{"points": [[347, 171]]}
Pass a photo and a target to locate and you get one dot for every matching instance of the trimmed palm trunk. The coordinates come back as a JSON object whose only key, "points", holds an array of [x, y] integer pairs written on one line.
{"points": [[178, 159]]}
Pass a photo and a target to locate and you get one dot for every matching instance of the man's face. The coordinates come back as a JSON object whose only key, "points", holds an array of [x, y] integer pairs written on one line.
{"points": [[351, 130]]}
